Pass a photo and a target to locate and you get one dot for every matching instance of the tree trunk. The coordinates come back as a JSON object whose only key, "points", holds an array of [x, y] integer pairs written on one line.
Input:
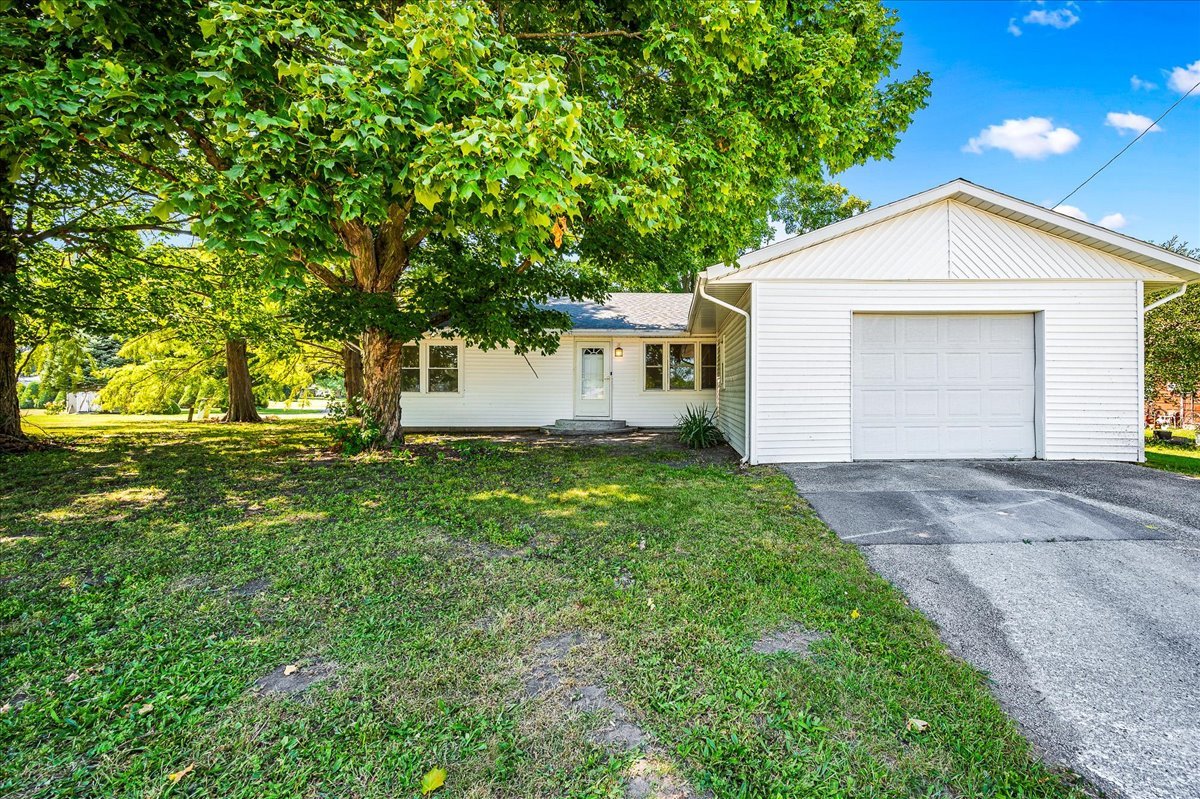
{"points": [[352, 368], [381, 383], [241, 390], [11, 436]]}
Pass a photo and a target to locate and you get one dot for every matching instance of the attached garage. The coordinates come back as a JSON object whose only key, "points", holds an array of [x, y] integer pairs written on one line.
{"points": [[957, 323], [943, 386]]}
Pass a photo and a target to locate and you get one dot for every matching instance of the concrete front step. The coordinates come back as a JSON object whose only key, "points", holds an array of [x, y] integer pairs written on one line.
{"points": [[587, 427]]}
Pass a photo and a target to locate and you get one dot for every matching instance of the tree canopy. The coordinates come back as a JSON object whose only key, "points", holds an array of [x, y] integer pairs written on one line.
{"points": [[1173, 337], [446, 166]]}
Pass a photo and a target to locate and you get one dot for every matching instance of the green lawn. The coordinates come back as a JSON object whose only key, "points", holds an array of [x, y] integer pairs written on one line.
{"points": [[1173, 457], [429, 583]]}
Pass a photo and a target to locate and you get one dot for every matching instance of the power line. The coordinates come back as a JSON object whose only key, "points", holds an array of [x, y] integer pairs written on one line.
{"points": [[1149, 128]]}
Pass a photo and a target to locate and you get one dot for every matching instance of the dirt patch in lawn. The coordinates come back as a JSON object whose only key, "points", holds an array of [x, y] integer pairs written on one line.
{"points": [[253, 588], [293, 679], [793, 639], [559, 678]]}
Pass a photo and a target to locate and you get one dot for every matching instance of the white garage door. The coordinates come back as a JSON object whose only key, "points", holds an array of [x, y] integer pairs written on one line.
{"points": [[943, 386]]}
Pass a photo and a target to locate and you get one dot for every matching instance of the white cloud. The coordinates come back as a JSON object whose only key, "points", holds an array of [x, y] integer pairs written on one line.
{"points": [[1013, 28], [1184, 78], [1033, 137], [1113, 221], [1072, 211], [1130, 122], [1137, 83], [1061, 18]]}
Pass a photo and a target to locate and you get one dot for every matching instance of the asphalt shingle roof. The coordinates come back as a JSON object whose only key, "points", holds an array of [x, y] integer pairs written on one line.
{"points": [[629, 311]]}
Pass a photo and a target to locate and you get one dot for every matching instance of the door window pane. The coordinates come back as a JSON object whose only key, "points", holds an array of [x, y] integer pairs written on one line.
{"points": [[708, 366], [443, 369], [654, 367], [683, 366], [591, 383], [410, 369]]}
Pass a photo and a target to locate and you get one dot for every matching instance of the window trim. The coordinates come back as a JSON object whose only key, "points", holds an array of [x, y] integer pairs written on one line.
{"points": [[423, 367], [666, 343]]}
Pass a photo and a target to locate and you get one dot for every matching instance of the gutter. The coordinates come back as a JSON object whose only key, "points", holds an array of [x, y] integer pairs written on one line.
{"points": [[1164, 300], [746, 380]]}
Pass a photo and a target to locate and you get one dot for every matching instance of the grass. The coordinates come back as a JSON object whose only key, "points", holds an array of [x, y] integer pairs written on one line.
{"points": [[1180, 458], [428, 578]]}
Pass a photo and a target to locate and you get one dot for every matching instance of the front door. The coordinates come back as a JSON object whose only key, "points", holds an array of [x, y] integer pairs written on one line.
{"points": [[593, 386]]}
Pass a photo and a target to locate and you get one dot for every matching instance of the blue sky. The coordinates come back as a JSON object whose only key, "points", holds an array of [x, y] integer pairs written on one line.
{"points": [[1022, 93]]}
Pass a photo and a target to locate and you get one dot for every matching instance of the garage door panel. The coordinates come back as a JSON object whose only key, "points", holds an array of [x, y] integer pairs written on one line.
{"points": [[919, 330], [963, 366], [878, 366], [920, 366], [943, 386], [921, 403]]}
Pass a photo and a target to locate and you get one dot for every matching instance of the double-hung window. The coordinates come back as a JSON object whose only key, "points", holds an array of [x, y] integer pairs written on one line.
{"points": [[680, 366], [430, 369]]}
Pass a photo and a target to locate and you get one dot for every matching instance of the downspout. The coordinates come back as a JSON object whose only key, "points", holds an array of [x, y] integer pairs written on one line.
{"points": [[746, 379], [1164, 300], [1145, 309]]}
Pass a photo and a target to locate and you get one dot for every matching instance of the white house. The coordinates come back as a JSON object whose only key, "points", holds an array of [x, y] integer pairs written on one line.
{"points": [[956, 323]]}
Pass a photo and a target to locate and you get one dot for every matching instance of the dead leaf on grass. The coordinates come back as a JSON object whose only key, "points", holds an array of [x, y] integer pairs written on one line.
{"points": [[435, 779], [288, 671], [175, 776], [146, 708], [916, 725]]}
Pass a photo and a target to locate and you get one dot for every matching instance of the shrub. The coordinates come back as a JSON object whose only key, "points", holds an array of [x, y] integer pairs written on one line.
{"points": [[351, 426], [698, 427], [54, 406]]}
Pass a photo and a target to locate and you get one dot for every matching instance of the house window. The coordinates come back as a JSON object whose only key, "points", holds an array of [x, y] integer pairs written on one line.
{"points": [[654, 367], [708, 366], [410, 369], [683, 366], [442, 374], [680, 367]]}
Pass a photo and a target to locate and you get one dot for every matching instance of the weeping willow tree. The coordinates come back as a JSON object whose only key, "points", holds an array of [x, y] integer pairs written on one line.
{"points": [[204, 330]]}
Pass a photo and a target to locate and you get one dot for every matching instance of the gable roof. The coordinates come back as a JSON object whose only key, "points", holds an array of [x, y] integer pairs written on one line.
{"points": [[1150, 256], [647, 312]]}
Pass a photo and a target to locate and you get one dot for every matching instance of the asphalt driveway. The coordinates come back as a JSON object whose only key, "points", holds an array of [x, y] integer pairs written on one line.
{"points": [[1074, 585]]}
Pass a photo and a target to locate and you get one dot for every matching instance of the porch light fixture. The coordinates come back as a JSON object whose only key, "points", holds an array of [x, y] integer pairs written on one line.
{"points": [[618, 352]]}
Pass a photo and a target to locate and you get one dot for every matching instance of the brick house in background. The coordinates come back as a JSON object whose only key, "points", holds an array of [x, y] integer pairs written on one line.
{"points": [[1180, 409]]}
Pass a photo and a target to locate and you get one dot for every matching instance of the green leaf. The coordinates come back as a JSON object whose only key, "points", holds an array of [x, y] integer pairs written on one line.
{"points": [[163, 209], [208, 28], [426, 196], [517, 167]]}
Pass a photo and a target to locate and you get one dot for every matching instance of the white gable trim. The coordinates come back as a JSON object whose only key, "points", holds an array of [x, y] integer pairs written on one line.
{"points": [[1172, 265]]}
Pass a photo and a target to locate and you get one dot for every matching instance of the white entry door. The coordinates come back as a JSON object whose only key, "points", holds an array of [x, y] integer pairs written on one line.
{"points": [[944, 386], [593, 388]]}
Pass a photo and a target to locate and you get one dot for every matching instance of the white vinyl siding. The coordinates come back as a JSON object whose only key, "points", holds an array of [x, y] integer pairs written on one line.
{"points": [[731, 381], [1088, 360], [949, 240], [499, 389]]}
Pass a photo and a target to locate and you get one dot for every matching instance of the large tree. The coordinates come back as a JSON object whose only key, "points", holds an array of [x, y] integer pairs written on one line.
{"points": [[1173, 337], [71, 210], [445, 166]]}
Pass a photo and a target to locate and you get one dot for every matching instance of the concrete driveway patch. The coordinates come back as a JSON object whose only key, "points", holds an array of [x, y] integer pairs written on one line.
{"points": [[1075, 586], [971, 517]]}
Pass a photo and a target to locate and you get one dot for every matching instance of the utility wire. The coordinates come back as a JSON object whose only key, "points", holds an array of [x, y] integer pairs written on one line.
{"points": [[1149, 128]]}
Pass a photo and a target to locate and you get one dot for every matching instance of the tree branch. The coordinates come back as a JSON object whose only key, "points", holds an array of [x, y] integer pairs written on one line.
{"points": [[203, 144], [126, 157]]}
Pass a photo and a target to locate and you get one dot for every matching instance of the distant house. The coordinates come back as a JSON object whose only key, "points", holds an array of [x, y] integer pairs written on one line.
{"points": [[956, 323], [83, 402], [1177, 408]]}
